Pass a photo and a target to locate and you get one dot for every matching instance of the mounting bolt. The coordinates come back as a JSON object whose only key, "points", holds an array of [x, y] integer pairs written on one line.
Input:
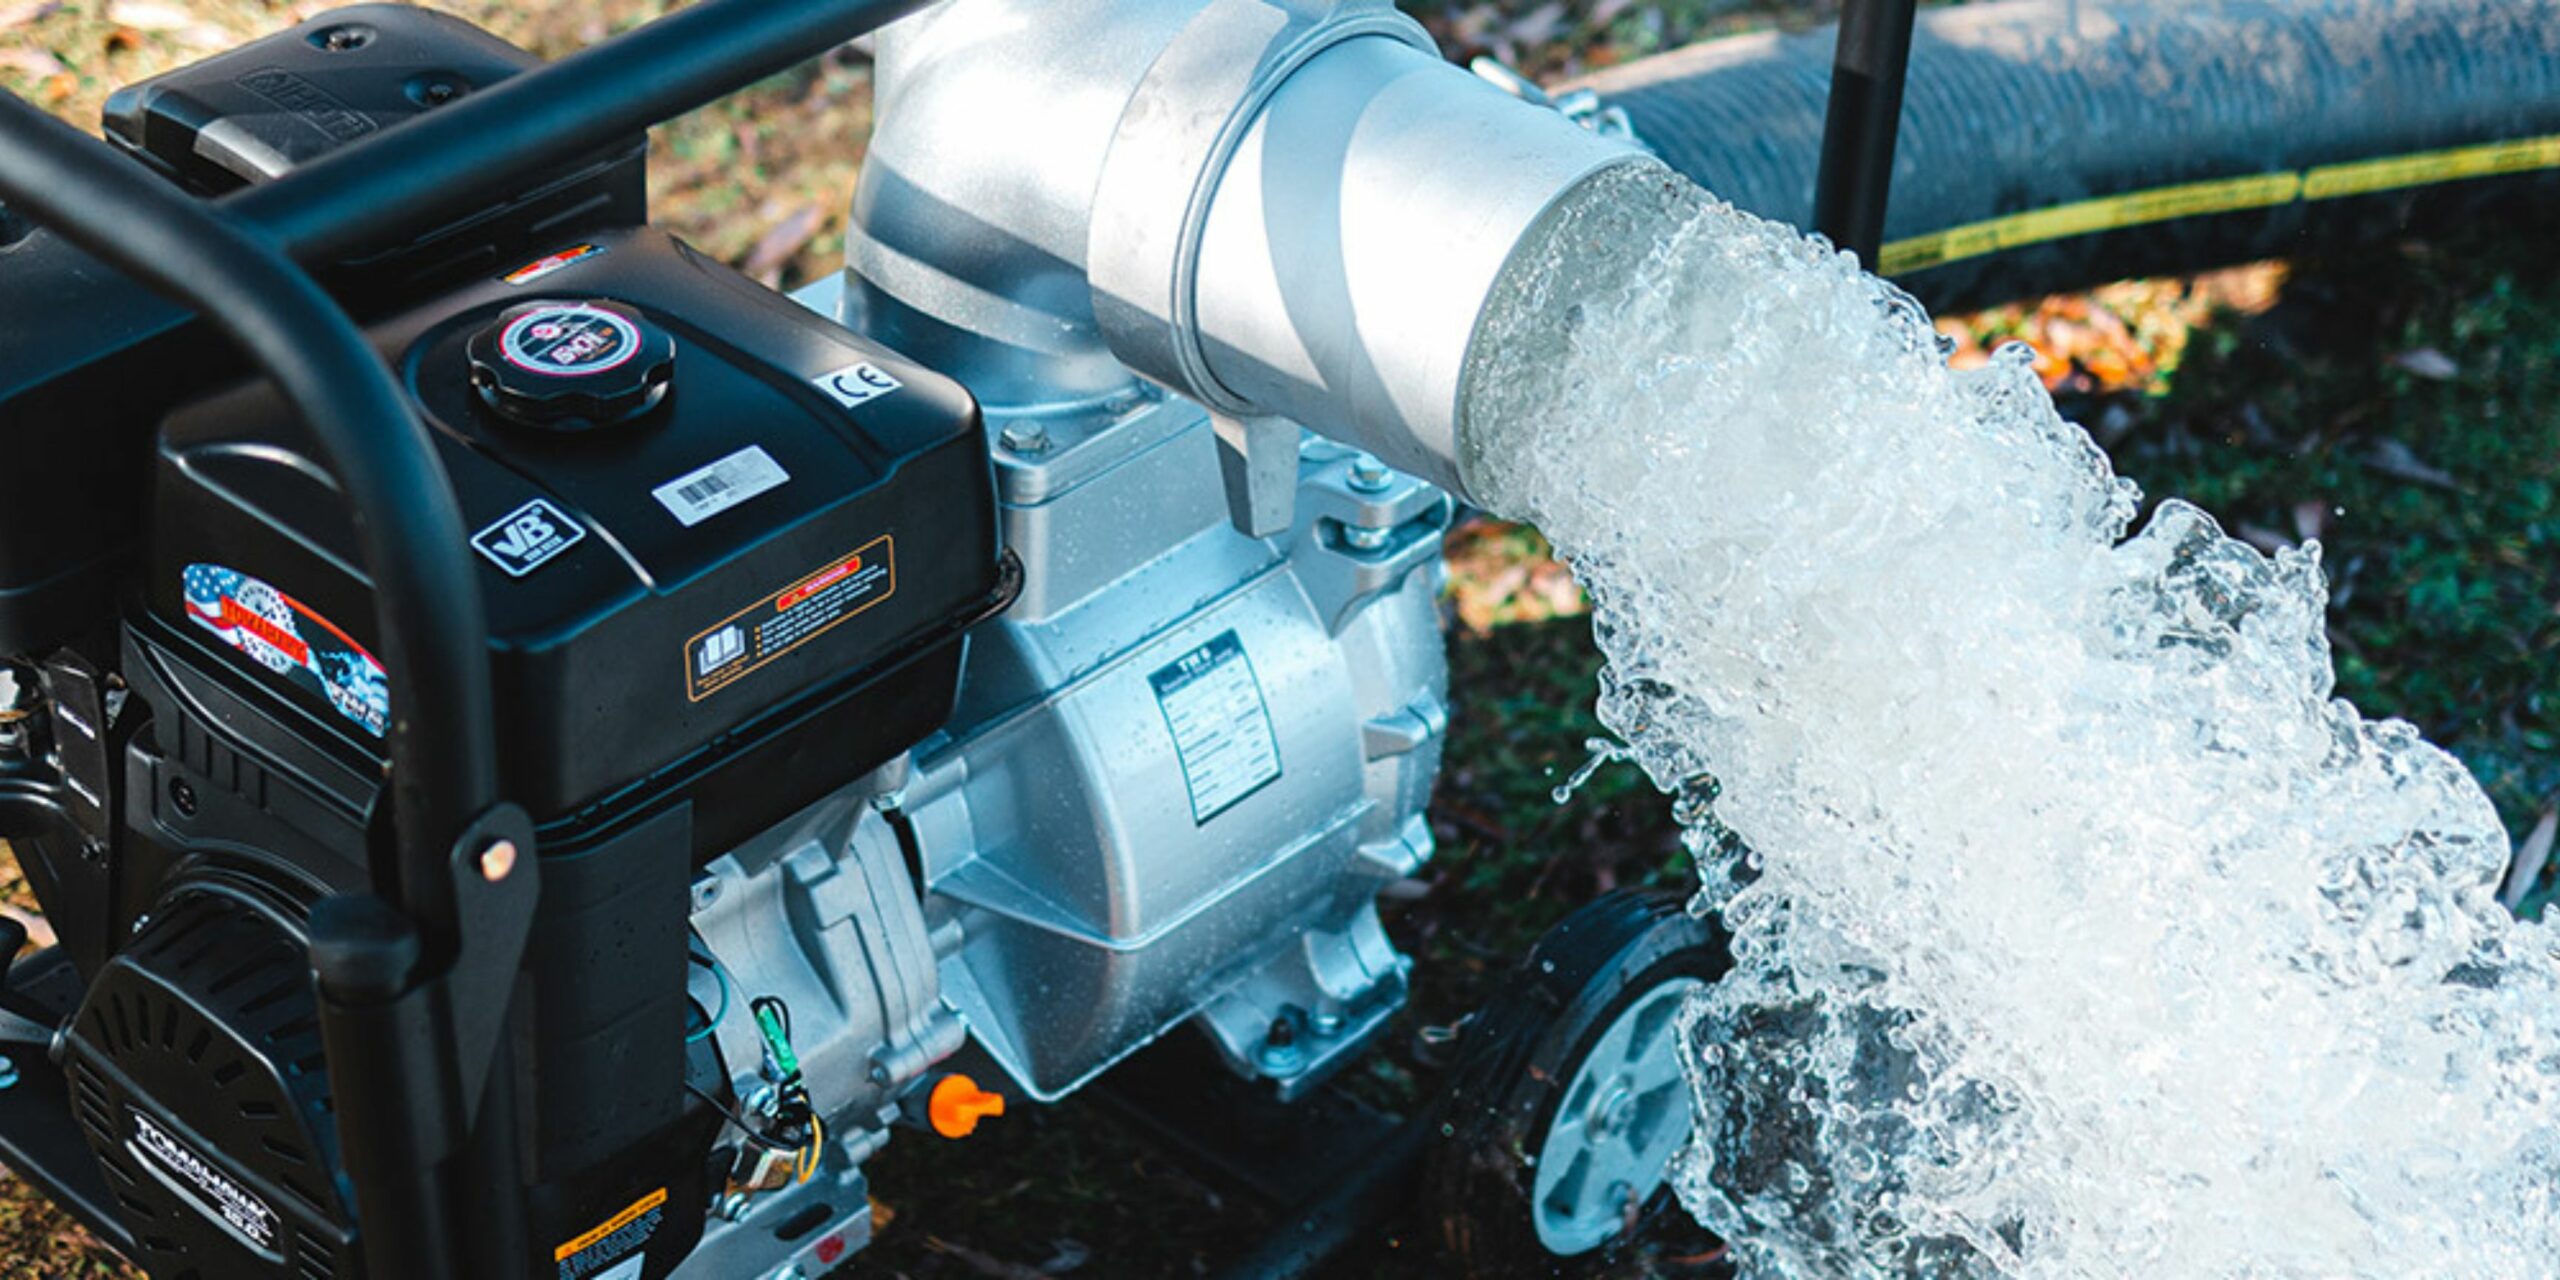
{"points": [[182, 797], [1368, 475], [1029, 439], [1363, 538], [498, 861], [706, 890], [1327, 1025], [1280, 1055], [343, 39]]}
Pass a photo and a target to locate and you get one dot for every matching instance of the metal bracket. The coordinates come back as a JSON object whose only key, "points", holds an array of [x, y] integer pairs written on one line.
{"points": [[1258, 457]]}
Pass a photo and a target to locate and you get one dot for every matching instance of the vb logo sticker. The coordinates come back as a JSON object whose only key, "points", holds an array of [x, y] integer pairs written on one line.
{"points": [[528, 538]]}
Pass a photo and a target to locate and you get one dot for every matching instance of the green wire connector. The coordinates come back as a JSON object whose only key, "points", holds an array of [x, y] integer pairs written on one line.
{"points": [[777, 1041]]}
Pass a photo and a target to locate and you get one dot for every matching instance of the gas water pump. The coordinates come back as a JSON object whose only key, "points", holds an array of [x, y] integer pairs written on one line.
{"points": [[894, 704]]}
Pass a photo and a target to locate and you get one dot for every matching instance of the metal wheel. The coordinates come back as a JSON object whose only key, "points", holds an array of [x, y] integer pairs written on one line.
{"points": [[1608, 1147], [1566, 1105]]}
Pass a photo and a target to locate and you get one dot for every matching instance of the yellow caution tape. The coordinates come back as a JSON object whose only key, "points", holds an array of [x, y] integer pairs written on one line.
{"points": [[2221, 195]]}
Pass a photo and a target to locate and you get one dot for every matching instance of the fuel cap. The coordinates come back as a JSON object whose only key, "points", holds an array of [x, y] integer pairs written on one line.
{"points": [[572, 366]]}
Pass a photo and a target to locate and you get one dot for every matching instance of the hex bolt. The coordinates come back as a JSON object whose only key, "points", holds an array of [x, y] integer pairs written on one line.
{"points": [[343, 39], [1280, 1055], [182, 797], [1363, 538], [1029, 439], [1368, 475], [498, 861], [1327, 1025]]}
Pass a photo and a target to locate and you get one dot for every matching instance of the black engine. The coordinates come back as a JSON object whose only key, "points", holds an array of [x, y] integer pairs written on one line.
{"points": [[728, 552]]}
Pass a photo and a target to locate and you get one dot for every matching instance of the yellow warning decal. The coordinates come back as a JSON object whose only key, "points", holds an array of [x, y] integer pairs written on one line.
{"points": [[2221, 195], [610, 1225]]}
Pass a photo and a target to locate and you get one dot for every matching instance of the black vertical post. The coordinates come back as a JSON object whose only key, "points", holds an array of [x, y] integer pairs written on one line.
{"points": [[1859, 126]]}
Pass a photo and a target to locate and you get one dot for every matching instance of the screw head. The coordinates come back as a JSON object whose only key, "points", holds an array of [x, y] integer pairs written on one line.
{"points": [[1368, 475], [343, 39], [498, 861], [1029, 439], [182, 797]]}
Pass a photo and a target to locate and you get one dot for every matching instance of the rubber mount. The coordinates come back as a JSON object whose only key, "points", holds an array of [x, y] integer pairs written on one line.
{"points": [[1598, 987], [572, 366]]}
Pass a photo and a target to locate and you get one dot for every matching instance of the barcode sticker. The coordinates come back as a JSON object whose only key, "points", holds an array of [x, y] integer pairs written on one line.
{"points": [[697, 496]]}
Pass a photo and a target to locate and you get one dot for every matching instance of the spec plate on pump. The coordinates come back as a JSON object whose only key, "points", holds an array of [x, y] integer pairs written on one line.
{"points": [[1213, 703]]}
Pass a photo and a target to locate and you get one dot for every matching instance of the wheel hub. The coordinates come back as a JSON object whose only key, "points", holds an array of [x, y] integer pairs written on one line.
{"points": [[1624, 1116]]}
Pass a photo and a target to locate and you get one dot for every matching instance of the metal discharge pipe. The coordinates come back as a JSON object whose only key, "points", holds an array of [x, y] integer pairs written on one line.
{"points": [[1291, 211]]}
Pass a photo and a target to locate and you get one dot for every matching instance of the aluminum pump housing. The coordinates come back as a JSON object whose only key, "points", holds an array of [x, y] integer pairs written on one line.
{"points": [[1213, 272]]}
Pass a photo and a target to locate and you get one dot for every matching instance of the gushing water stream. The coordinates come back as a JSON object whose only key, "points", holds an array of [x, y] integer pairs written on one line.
{"points": [[2078, 930]]}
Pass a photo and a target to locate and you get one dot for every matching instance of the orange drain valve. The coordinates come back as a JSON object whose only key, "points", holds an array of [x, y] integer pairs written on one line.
{"points": [[958, 1105]]}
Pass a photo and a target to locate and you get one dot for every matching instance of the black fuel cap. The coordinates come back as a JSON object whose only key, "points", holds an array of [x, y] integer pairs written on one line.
{"points": [[572, 366]]}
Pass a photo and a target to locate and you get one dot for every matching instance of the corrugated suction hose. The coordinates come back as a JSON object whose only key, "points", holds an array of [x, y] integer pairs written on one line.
{"points": [[2051, 143]]}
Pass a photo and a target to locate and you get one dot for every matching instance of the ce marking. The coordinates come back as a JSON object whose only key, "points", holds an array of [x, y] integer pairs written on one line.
{"points": [[856, 384]]}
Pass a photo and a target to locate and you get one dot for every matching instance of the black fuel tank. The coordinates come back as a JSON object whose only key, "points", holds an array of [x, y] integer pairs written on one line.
{"points": [[729, 549]]}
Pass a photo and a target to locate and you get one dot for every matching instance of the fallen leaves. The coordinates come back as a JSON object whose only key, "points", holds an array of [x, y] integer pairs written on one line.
{"points": [[2394, 458], [26, 11], [2127, 336], [2428, 363], [782, 242], [34, 64], [1501, 573], [2531, 857]]}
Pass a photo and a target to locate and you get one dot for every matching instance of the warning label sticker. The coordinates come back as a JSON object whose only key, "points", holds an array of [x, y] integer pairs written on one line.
{"points": [[612, 1250], [1221, 726], [746, 640]]}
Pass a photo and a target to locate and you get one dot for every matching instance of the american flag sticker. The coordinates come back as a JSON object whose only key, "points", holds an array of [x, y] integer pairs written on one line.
{"points": [[280, 635], [551, 263]]}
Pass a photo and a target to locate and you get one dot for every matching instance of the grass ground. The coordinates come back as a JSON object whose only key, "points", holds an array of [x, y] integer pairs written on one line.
{"points": [[2401, 403]]}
